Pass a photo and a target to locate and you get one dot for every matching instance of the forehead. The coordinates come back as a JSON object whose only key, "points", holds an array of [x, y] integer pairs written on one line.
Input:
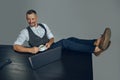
{"points": [[31, 15]]}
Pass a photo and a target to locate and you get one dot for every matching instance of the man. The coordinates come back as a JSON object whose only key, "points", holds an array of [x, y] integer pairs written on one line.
{"points": [[39, 34]]}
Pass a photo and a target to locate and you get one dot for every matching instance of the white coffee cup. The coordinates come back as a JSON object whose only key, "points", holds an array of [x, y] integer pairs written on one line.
{"points": [[42, 48]]}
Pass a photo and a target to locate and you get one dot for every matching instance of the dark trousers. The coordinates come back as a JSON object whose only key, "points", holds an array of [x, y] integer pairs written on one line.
{"points": [[76, 44]]}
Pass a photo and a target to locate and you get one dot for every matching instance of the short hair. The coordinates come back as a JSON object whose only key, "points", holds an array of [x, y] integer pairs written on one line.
{"points": [[31, 11]]}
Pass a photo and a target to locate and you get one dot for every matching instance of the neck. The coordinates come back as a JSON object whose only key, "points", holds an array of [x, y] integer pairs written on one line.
{"points": [[36, 25]]}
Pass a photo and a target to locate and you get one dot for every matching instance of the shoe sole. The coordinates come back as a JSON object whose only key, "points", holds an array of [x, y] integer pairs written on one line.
{"points": [[98, 53], [105, 39]]}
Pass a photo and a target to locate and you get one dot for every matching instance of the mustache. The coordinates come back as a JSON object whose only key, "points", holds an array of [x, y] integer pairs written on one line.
{"points": [[31, 22]]}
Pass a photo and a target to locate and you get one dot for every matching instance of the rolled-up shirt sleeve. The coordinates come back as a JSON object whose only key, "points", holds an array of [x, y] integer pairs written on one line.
{"points": [[49, 33], [22, 37]]}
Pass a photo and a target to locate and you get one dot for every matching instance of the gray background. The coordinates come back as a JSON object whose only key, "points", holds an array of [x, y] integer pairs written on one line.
{"points": [[85, 19]]}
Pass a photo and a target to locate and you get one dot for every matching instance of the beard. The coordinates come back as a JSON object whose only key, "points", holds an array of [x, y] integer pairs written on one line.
{"points": [[32, 24]]}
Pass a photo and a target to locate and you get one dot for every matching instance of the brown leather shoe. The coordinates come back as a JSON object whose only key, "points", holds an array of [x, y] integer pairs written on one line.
{"points": [[99, 52], [105, 38]]}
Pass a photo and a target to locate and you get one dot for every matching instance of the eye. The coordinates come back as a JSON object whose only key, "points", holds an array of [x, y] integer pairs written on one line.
{"points": [[28, 20], [33, 18]]}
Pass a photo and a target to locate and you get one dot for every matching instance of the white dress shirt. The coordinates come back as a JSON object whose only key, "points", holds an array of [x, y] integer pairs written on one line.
{"points": [[39, 31]]}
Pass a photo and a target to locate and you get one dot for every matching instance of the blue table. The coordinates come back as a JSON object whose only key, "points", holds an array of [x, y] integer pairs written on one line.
{"points": [[72, 66]]}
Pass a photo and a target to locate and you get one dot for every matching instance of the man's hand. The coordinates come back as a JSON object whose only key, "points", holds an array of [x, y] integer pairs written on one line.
{"points": [[34, 50], [21, 48], [47, 45]]}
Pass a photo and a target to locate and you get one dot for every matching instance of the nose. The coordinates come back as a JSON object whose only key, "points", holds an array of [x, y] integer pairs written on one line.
{"points": [[30, 21]]}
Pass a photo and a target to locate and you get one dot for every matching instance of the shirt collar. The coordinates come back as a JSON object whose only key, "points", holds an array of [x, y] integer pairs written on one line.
{"points": [[33, 28]]}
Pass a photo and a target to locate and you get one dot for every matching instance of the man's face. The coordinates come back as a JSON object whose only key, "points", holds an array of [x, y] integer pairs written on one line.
{"points": [[32, 19]]}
